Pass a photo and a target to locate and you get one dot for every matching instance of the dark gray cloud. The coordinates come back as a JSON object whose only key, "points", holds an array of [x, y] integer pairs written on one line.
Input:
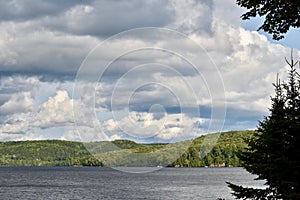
{"points": [[241, 119], [19, 10], [51, 38], [105, 18], [42, 53]]}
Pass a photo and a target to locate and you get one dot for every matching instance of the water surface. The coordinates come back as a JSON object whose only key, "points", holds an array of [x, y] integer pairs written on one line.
{"points": [[107, 183]]}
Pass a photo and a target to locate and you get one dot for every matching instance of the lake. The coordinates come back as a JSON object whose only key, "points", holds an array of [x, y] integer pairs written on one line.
{"points": [[108, 183]]}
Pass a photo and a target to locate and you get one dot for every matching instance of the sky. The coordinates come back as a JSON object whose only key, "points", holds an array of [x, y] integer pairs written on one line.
{"points": [[149, 71]]}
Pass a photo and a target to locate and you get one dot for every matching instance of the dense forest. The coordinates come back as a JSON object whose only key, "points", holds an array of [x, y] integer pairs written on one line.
{"points": [[125, 152]]}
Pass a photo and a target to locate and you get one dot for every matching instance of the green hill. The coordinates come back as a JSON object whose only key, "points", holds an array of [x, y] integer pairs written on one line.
{"points": [[223, 153], [43, 153], [126, 153]]}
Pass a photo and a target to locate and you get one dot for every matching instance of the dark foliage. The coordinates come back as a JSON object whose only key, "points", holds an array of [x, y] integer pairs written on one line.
{"points": [[223, 154], [280, 15], [67, 153]]}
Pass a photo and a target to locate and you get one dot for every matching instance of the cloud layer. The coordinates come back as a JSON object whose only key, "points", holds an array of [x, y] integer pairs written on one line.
{"points": [[150, 86]]}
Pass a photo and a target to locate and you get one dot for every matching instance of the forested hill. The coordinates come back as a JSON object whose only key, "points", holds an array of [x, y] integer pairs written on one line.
{"points": [[68, 153]]}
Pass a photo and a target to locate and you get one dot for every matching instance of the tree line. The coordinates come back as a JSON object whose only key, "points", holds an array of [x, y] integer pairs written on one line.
{"points": [[125, 153]]}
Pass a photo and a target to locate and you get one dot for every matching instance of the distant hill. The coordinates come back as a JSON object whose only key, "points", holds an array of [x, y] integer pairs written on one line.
{"points": [[223, 154], [188, 153]]}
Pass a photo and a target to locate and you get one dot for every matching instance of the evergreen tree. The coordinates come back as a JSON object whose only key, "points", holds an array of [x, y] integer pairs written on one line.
{"points": [[273, 153]]}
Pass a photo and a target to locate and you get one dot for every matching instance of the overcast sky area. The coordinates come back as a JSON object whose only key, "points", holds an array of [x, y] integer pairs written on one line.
{"points": [[89, 70]]}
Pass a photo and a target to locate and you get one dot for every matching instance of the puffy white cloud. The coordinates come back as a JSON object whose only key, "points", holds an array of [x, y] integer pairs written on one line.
{"points": [[18, 103], [143, 125], [55, 112], [17, 94], [248, 64], [58, 110], [54, 118], [15, 124]]}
